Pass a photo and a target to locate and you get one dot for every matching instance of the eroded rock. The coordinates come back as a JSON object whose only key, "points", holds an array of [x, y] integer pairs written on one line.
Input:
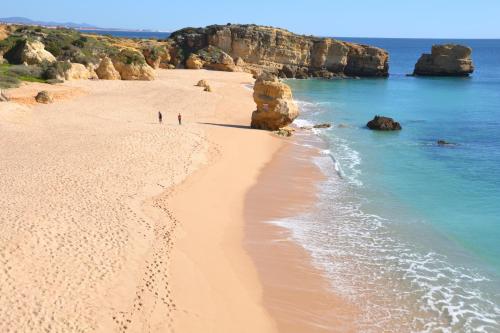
{"points": [[446, 60], [44, 97], [107, 71], [275, 105], [29, 53], [380, 123]]}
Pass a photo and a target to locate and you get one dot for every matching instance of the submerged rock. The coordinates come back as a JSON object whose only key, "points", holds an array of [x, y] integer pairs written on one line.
{"points": [[275, 105], [325, 125], [446, 60], [445, 143], [380, 123], [44, 97]]}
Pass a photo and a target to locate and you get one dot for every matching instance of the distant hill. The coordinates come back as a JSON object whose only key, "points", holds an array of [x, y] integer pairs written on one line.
{"points": [[24, 20]]}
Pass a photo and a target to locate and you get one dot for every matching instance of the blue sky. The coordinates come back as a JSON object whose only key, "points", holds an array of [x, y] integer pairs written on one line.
{"points": [[346, 18]]}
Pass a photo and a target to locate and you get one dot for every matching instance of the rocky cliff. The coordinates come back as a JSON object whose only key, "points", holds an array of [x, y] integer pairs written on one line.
{"points": [[446, 60], [281, 52]]}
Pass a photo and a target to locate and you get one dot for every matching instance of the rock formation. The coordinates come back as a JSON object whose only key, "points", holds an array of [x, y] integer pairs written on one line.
{"points": [[445, 60], [380, 123], [44, 97], [282, 52], [79, 72], [29, 53], [107, 71], [194, 62], [3, 97], [202, 83], [132, 66], [275, 105], [157, 56]]}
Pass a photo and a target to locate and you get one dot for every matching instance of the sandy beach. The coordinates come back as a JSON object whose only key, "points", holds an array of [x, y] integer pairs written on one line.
{"points": [[114, 223]]}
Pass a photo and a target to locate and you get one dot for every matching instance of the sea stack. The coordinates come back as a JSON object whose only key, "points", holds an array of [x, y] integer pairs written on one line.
{"points": [[275, 105], [445, 60]]}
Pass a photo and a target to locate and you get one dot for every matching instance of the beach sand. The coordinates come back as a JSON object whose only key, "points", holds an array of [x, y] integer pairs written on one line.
{"points": [[103, 230]]}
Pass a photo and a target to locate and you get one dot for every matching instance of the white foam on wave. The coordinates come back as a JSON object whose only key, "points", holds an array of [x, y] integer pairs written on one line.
{"points": [[400, 287]]}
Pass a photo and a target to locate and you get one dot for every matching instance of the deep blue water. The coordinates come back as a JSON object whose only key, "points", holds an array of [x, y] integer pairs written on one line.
{"points": [[130, 34], [404, 226]]}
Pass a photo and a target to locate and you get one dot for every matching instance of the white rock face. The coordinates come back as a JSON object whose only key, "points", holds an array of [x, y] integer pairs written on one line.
{"points": [[79, 72], [34, 53]]}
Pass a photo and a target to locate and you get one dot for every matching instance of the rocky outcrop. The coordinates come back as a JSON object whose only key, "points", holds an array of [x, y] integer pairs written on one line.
{"points": [[79, 72], [107, 71], [29, 53], [44, 97], [202, 83], [446, 60], [380, 123], [157, 56], [132, 66], [275, 105], [194, 62], [282, 52]]}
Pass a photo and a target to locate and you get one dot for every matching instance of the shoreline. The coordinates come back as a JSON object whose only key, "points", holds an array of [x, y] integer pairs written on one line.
{"points": [[174, 201], [297, 294]]}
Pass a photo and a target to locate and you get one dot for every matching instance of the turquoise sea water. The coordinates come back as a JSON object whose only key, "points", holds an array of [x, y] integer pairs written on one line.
{"points": [[409, 229]]}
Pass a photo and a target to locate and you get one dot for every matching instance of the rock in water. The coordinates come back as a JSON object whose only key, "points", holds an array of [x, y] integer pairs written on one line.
{"points": [[286, 131], [29, 53], [44, 97], [380, 123], [325, 125], [446, 60], [107, 71], [275, 105]]}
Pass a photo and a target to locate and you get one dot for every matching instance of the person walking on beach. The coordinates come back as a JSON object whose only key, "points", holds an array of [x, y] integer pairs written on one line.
{"points": [[179, 117], [160, 117]]}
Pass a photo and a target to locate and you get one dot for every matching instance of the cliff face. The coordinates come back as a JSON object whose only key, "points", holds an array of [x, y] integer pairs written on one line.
{"points": [[284, 53], [446, 60]]}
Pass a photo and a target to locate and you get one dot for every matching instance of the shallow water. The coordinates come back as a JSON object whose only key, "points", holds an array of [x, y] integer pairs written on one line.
{"points": [[405, 227]]}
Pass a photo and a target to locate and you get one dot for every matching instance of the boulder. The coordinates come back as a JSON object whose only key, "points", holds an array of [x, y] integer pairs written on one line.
{"points": [[202, 83], [29, 53], [445, 60], [275, 105], [194, 62], [3, 97], [132, 66], [216, 59], [44, 97], [107, 71], [208, 89], [286, 131], [325, 125], [381, 123], [79, 72]]}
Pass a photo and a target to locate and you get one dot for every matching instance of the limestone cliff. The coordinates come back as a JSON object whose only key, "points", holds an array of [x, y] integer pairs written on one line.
{"points": [[282, 52], [446, 60]]}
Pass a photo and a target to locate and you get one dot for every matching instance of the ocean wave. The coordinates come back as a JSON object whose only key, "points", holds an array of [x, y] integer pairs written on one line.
{"points": [[401, 288]]}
